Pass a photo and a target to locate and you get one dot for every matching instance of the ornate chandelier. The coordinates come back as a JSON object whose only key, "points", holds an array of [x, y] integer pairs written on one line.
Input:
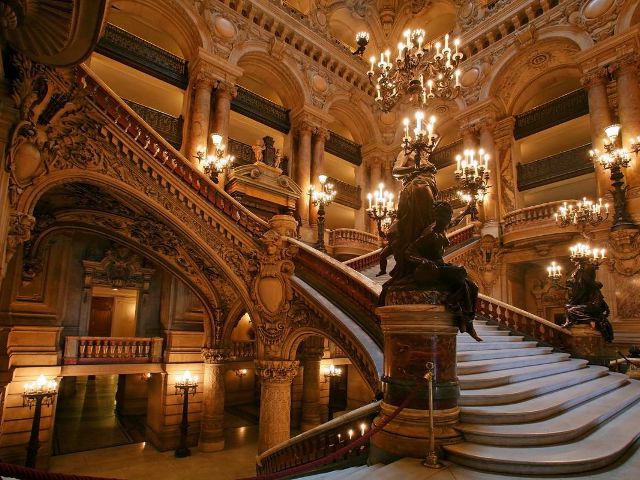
{"points": [[582, 253], [422, 70], [472, 175], [382, 209], [584, 213], [217, 162]]}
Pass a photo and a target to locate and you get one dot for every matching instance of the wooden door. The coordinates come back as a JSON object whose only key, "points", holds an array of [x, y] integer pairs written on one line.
{"points": [[101, 316]]}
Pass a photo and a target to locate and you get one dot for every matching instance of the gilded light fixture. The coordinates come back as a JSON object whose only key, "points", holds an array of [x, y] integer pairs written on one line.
{"points": [[321, 198], [217, 162], [381, 208], [472, 174]]}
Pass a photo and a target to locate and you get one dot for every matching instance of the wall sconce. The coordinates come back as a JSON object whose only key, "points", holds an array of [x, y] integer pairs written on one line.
{"points": [[241, 372]]}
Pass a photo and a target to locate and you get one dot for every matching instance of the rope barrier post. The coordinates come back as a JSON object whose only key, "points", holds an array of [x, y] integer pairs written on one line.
{"points": [[432, 456]]}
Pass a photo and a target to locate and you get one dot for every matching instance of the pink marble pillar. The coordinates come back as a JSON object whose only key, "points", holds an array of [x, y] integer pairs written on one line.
{"points": [[319, 136], [200, 112], [303, 169], [490, 204], [600, 117], [629, 109]]}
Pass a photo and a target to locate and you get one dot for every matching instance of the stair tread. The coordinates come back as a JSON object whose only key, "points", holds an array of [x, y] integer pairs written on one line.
{"points": [[479, 366], [527, 389], [490, 338], [558, 399], [405, 468], [578, 417], [481, 355], [476, 346], [601, 447], [363, 472]]}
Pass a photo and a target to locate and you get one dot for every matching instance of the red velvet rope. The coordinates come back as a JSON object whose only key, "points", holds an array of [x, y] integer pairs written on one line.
{"points": [[341, 452], [24, 473]]}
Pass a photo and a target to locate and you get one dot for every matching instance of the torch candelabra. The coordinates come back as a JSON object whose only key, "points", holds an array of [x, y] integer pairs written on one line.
{"points": [[185, 385], [321, 198], [38, 393], [382, 208], [217, 162], [423, 141], [615, 158], [421, 69], [472, 174], [362, 40], [582, 214]]}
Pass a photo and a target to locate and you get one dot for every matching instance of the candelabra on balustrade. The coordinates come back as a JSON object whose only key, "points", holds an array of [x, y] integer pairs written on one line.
{"points": [[421, 70], [423, 142], [472, 175], [39, 393], [217, 162], [321, 198], [185, 385], [582, 215], [615, 159], [382, 209]]}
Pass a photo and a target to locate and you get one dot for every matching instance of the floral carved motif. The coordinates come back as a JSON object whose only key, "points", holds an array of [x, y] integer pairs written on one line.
{"points": [[625, 251], [277, 371]]}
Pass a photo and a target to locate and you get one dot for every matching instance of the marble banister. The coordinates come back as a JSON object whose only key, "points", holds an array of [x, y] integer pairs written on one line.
{"points": [[92, 350]]}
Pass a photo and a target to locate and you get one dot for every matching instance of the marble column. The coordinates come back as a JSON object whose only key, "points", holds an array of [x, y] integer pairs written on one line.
{"points": [[303, 169], [275, 401], [311, 358], [212, 421], [629, 108], [468, 135], [225, 92], [490, 204], [200, 112], [361, 215], [600, 117], [319, 136]]}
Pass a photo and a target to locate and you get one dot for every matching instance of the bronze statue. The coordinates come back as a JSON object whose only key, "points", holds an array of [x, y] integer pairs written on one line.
{"points": [[586, 302]]}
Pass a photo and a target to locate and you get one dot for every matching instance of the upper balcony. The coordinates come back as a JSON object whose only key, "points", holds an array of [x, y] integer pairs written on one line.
{"points": [[535, 222]]}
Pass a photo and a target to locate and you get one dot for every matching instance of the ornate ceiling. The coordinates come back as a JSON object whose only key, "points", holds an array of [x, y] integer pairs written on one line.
{"points": [[383, 19]]}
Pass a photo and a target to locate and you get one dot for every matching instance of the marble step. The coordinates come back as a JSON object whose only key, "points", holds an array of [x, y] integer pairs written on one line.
{"points": [[601, 447], [487, 328], [561, 428], [363, 473], [475, 346], [517, 392], [504, 377], [543, 406], [489, 333], [404, 469], [335, 474], [477, 355], [489, 339], [480, 366]]}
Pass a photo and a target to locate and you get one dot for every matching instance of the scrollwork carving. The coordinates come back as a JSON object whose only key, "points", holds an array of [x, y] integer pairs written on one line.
{"points": [[625, 251], [277, 371]]}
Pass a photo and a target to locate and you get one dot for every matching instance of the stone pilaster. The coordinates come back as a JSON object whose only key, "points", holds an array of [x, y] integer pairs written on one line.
{"points": [[303, 168], [311, 358], [490, 203], [414, 335], [503, 164], [628, 89], [275, 401], [600, 118], [212, 421]]}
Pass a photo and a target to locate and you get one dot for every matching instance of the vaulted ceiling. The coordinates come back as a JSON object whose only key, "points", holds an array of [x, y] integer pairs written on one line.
{"points": [[383, 19]]}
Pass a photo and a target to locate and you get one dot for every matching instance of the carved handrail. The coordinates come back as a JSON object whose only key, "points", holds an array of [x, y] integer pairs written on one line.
{"points": [[343, 148], [242, 350], [261, 109], [347, 194], [524, 322], [568, 164], [168, 126], [319, 441], [177, 166], [92, 350], [143, 55], [445, 156], [559, 110], [545, 212], [457, 239], [351, 235]]}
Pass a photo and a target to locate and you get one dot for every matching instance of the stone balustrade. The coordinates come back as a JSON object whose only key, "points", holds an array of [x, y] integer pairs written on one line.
{"points": [[168, 126], [531, 221], [348, 242], [242, 350], [321, 441], [93, 350]]}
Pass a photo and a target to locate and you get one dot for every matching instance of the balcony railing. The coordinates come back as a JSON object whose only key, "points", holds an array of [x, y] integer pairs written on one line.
{"points": [[537, 214], [242, 350], [142, 55], [451, 196], [245, 156], [343, 148], [166, 125], [95, 350], [567, 164], [348, 242], [347, 194], [560, 110], [445, 156], [261, 110]]}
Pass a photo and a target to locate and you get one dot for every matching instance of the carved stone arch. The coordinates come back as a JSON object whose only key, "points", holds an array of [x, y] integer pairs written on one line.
{"points": [[628, 17], [234, 314], [355, 117], [519, 67], [185, 25], [237, 275], [280, 71]]}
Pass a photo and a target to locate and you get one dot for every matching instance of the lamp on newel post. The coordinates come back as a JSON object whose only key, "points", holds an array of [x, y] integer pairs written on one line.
{"points": [[321, 198], [185, 385], [472, 174], [217, 162], [39, 393], [382, 209], [615, 159]]}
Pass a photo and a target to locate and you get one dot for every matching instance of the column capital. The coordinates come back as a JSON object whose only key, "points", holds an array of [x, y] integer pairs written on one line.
{"points": [[214, 67], [277, 371], [596, 76], [204, 79], [627, 62], [321, 133], [226, 89], [214, 355]]}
